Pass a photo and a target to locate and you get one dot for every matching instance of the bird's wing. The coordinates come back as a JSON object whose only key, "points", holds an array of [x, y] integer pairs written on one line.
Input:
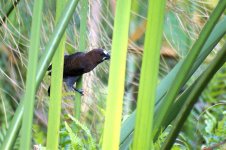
{"points": [[73, 65], [66, 59]]}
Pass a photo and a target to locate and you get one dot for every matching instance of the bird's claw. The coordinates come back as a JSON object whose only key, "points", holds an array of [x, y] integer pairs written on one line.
{"points": [[79, 91]]}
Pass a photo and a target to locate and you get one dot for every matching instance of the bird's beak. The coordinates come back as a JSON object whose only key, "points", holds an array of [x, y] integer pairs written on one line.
{"points": [[107, 56]]}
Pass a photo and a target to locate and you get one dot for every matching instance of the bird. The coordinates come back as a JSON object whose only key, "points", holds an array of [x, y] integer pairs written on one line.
{"points": [[79, 63]]}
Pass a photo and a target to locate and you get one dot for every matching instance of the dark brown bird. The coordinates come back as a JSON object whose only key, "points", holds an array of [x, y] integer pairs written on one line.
{"points": [[79, 63]]}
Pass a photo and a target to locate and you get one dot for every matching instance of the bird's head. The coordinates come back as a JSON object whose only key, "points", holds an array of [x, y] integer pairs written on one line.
{"points": [[99, 55]]}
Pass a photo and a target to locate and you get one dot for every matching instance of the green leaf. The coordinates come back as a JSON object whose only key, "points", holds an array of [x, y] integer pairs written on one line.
{"points": [[143, 138], [116, 76]]}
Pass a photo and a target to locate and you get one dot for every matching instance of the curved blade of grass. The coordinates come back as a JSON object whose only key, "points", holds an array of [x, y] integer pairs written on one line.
{"points": [[215, 36], [29, 98], [43, 65], [149, 77], [116, 76], [82, 47], [56, 88], [199, 86], [178, 81], [218, 32]]}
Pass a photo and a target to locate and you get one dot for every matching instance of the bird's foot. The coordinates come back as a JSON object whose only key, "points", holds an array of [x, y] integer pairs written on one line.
{"points": [[79, 91]]}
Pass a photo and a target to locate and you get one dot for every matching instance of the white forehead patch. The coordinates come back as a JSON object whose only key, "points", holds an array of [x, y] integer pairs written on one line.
{"points": [[105, 52]]}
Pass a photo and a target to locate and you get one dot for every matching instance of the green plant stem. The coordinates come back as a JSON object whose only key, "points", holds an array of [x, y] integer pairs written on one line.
{"points": [[199, 86], [149, 77], [29, 97], [56, 88], [82, 47], [83, 25], [116, 76], [175, 86], [44, 62]]}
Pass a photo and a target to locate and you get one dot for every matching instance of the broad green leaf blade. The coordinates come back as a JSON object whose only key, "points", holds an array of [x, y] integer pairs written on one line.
{"points": [[149, 77], [117, 76]]}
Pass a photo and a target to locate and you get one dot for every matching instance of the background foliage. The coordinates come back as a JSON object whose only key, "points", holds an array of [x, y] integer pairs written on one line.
{"points": [[206, 125]]}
